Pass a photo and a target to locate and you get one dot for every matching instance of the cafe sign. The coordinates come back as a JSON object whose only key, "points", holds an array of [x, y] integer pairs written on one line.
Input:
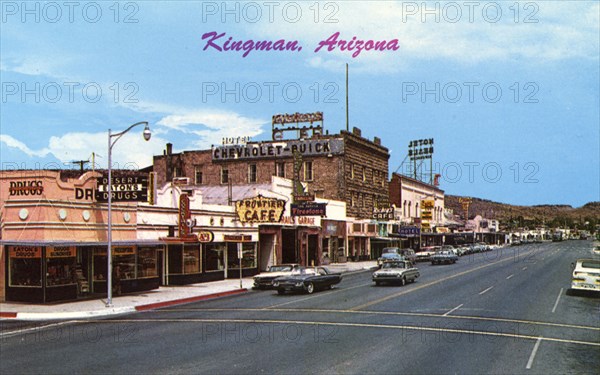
{"points": [[260, 210], [383, 213]]}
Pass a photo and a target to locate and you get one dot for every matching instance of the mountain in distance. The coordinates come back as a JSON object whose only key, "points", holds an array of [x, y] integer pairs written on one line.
{"points": [[552, 216]]}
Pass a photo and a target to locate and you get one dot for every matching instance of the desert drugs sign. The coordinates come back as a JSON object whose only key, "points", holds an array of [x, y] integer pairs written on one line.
{"points": [[260, 210]]}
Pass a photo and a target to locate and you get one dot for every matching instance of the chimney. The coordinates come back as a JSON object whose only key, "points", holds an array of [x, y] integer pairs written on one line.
{"points": [[356, 131], [377, 141], [169, 148]]}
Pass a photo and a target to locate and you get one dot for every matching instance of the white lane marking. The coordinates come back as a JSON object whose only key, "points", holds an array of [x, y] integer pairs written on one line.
{"points": [[509, 277], [557, 299], [485, 291], [372, 312], [532, 356], [453, 310], [340, 324], [524, 268], [36, 328]]}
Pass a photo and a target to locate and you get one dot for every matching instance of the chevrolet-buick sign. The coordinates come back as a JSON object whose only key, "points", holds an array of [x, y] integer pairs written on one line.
{"points": [[263, 150]]}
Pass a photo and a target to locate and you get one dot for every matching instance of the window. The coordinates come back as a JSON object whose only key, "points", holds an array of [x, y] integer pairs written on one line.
{"points": [[308, 171], [351, 171], [214, 256], [252, 173], [25, 266], [123, 262], [280, 170], [191, 259], [224, 175], [248, 255], [178, 172], [198, 175], [147, 262], [364, 174]]}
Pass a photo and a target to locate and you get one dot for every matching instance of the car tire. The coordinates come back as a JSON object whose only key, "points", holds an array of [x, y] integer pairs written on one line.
{"points": [[279, 291], [310, 288], [377, 283], [402, 281]]}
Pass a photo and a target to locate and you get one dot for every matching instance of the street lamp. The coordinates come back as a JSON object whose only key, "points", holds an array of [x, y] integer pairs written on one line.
{"points": [[111, 143]]}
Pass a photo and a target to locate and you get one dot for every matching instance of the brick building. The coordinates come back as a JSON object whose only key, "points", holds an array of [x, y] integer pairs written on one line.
{"points": [[344, 167]]}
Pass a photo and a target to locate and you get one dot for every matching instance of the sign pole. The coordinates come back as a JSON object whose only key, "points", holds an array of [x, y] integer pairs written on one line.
{"points": [[240, 255]]}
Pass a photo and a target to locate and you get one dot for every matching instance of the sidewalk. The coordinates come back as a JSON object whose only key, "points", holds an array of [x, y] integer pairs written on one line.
{"points": [[148, 300]]}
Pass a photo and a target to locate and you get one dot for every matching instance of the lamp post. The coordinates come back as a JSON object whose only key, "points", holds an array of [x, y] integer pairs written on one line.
{"points": [[111, 143]]}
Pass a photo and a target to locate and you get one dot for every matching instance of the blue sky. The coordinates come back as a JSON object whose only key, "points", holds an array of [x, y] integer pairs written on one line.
{"points": [[508, 90]]}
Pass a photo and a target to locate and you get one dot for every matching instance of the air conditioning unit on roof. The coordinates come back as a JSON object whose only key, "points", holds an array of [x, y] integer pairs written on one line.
{"points": [[179, 181]]}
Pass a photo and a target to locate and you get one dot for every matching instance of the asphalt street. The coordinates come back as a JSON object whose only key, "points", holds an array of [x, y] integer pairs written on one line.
{"points": [[502, 312]]}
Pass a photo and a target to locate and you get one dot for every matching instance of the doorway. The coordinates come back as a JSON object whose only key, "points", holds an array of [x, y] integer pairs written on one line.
{"points": [[289, 253]]}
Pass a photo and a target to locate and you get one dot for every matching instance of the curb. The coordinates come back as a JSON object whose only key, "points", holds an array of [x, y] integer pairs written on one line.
{"points": [[113, 311], [158, 305]]}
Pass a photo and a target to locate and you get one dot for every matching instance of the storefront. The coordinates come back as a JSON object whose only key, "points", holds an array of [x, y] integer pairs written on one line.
{"points": [[333, 234], [46, 272]]}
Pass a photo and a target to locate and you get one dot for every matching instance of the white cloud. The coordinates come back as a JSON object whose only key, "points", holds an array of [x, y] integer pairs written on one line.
{"points": [[563, 31], [14, 143], [211, 125]]}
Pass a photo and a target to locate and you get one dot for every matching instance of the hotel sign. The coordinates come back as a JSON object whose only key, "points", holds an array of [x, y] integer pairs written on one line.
{"points": [[260, 210], [264, 150], [420, 149], [280, 125], [409, 231]]}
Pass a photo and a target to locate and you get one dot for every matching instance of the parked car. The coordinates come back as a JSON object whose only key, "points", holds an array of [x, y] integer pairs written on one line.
{"points": [[264, 280], [307, 279], [586, 275], [444, 256], [399, 272]]}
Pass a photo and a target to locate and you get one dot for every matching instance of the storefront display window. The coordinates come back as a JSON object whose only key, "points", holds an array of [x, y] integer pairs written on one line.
{"points": [[147, 262], [191, 259], [100, 265], [214, 257], [25, 265], [124, 262], [248, 255], [60, 265]]}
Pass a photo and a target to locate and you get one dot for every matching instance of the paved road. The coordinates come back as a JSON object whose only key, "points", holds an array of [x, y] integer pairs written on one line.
{"points": [[501, 312]]}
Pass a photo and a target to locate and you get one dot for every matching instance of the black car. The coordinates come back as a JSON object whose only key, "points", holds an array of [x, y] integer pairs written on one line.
{"points": [[307, 279]]}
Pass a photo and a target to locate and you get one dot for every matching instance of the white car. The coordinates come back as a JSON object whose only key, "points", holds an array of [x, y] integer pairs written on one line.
{"points": [[586, 275], [264, 280]]}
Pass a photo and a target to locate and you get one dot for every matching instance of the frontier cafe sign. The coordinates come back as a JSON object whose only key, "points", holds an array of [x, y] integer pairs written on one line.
{"points": [[260, 210]]}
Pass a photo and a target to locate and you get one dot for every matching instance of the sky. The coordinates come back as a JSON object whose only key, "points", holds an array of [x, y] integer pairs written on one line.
{"points": [[508, 90]]}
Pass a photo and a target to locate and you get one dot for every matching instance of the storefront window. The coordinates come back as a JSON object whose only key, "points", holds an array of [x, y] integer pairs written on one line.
{"points": [[123, 262], [25, 265], [214, 257], [147, 262], [60, 265], [100, 265], [248, 255], [191, 259]]}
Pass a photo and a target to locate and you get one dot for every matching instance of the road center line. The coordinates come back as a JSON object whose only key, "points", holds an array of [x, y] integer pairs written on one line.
{"points": [[348, 324], [453, 310], [509, 277], [383, 299], [532, 356], [485, 291], [557, 299]]}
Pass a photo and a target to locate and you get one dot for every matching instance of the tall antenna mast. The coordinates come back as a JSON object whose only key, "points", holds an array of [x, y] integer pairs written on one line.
{"points": [[347, 112]]}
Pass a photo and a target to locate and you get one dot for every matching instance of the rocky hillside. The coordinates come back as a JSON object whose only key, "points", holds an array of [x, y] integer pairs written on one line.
{"points": [[550, 215]]}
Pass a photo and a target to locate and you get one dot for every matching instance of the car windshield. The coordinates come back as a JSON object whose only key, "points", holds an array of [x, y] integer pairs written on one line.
{"points": [[393, 265], [590, 264], [280, 268], [389, 250]]}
